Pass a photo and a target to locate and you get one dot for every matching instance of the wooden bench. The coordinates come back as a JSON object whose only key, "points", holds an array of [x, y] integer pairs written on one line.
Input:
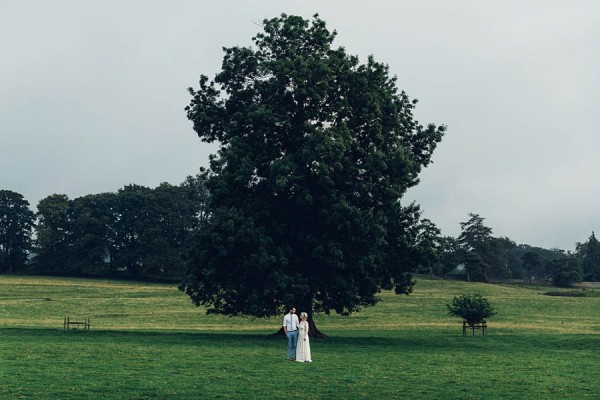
{"points": [[476, 325], [68, 324]]}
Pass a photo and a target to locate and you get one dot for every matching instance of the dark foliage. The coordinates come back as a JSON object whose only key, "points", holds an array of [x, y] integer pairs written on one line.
{"points": [[316, 152], [16, 223], [135, 233]]}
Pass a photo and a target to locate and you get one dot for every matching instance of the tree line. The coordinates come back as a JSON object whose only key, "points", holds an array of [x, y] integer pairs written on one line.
{"points": [[136, 232], [143, 233], [478, 255]]}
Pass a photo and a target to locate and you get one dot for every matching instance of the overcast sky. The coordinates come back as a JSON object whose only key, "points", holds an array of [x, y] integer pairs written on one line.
{"points": [[92, 97]]}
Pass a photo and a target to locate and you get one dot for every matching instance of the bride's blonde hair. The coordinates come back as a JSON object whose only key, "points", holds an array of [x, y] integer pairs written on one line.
{"points": [[303, 315]]}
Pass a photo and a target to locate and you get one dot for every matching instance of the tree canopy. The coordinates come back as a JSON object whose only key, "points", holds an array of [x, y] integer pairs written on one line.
{"points": [[16, 223], [137, 232], [316, 152]]}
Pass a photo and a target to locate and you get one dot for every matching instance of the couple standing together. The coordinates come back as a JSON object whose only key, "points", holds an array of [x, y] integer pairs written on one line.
{"points": [[298, 345]]}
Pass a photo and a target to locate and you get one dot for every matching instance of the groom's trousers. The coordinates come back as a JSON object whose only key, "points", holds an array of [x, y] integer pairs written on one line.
{"points": [[292, 341]]}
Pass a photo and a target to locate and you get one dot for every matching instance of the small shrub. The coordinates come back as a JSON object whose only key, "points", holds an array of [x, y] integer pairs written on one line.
{"points": [[472, 308]]}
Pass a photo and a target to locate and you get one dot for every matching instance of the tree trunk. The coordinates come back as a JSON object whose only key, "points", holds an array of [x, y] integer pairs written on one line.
{"points": [[485, 277], [314, 332]]}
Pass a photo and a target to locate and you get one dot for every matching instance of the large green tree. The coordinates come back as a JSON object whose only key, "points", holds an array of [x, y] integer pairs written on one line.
{"points": [[316, 151], [16, 223]]}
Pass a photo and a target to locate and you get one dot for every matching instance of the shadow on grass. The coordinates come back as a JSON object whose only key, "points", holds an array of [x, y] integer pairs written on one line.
{"points": [[413, 341], [137, 336]]}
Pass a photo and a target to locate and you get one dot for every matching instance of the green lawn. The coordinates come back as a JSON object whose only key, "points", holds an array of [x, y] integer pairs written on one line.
{"points": [[148, 341]]}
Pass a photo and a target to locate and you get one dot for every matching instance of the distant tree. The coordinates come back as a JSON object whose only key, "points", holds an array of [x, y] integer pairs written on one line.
{"points": [[132, 225], [16, 224], [589, 253], [565, 269], [475, 240], [137, 232], [428, 246], [531, 261], [542, 270], [53, 232], [485, 257], [412, 242], [316, 152], [93, 230], [451, 255], [175, 215], [497, 258], [504, 260]]}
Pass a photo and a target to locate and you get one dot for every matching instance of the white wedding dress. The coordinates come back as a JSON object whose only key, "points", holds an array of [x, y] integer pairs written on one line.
{"points": [[303, 346]]}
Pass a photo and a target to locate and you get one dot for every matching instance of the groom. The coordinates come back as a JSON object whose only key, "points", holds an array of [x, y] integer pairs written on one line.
{"points": [[290, 327]]}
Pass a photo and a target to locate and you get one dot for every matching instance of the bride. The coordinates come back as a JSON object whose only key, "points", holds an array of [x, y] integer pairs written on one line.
{"points": [[303, 348]]}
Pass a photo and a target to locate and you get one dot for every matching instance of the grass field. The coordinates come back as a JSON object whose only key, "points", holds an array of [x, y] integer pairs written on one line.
{"points": [[147, 341]]}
